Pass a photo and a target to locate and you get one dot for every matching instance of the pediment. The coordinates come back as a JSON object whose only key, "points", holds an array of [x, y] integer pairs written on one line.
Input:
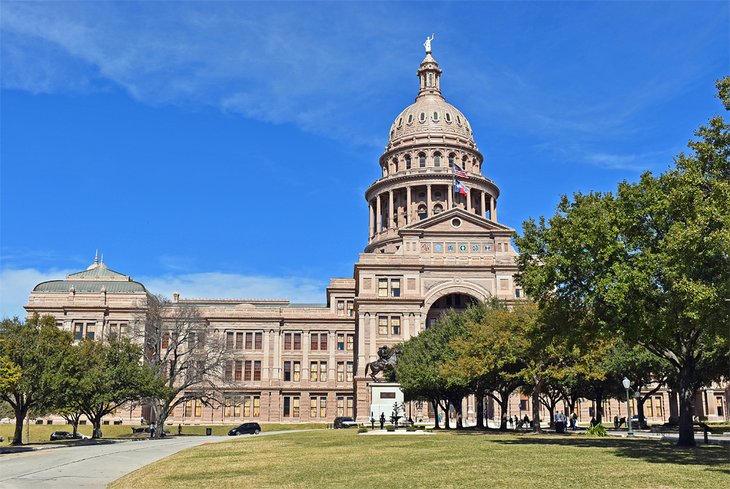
{"points": [[457, 221]]}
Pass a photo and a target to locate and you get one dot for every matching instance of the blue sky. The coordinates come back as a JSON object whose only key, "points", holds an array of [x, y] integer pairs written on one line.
{"points": [[223, 149]]}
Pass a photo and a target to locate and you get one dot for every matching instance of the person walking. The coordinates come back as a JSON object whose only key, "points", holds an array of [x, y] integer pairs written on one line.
{"points": [[152, 429], [382, 420]]}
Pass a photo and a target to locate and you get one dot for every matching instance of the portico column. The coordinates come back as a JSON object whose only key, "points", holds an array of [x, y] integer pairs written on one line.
{"points": [[378, 213], [428, 200], [408, 204], [390, 210], [482, 209], [468, 200], [372, 219], [492, 209], [450, 195]]}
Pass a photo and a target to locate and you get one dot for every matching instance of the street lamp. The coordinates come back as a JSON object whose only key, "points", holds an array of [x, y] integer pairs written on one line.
{"points": [[627, 383]]}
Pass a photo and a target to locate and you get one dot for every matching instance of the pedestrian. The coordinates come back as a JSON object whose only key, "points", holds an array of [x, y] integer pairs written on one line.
{"points": [[526, 421], [382, 420], [574, 420], [593, 421], [179, 429], [152, 429], [615, 422]]}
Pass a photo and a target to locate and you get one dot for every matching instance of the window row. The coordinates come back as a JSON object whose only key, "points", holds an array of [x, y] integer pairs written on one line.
{"points": [[251, 405], [345, 307], [435, 116], [317, 406], [437, 161], [88, 330], [319, 341], [249, 340], [389, 325], [242, 370], [317, 371], [388, 287]]}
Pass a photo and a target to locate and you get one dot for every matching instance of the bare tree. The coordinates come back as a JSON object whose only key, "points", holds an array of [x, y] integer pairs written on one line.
{"points": [[184, 352]]}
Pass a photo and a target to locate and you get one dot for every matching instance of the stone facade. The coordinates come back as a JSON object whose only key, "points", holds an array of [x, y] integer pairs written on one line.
{"points": [[431, 247]]}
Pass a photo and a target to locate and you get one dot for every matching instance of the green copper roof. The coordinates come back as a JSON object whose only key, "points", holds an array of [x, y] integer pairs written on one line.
{"points": [[98, 272], [88, 286]]}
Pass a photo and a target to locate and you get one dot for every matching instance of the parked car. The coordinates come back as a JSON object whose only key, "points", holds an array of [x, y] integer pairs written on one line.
{"points": [[246, 429], [345, 422], [67, 435]]}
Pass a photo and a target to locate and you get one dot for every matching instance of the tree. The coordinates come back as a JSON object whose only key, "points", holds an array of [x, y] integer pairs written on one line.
{"points": [[650, 264], [183, 353], [38, 351], [109, 375]]}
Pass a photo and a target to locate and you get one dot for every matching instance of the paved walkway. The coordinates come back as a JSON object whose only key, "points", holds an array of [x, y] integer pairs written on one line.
{"points": [[92, 466]]}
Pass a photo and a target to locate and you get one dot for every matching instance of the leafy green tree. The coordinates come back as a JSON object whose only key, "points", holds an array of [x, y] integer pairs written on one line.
{"points": [[417, 371], [109, 375], [650, 264], [39, 351]]}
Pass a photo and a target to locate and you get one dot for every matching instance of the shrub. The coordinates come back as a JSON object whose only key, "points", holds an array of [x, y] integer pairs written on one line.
{"points": [[362, 429], [597, 430], [411, 428], [390, 428]]}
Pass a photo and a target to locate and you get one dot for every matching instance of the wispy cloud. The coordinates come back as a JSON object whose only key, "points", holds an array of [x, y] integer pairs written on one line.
{"points": [[17, 284]]}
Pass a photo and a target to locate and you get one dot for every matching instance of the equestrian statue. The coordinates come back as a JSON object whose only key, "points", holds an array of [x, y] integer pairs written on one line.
{"points": [[387, 358]]}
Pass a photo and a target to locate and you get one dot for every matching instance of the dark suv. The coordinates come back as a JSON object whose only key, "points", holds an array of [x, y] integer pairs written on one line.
{"points": [[246, 429], [344, 422]]}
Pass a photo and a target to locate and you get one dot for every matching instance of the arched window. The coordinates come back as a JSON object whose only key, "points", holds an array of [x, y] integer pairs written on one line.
{"points": [[410, 118], [437, 159], [385, 170], [436, 116], [452, 160], [408, 162], [448, 117], [422, 117], [395, 165], [438, 209], [400, 122], [458, 119], [422, 160], [463, 163], [422, 212]]}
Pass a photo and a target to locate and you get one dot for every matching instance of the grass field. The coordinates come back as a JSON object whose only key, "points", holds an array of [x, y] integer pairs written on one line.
{"points": [[342, 458], [41, 433]]}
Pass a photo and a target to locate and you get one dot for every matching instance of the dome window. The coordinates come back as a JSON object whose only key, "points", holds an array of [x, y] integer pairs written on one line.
{"points": [[400, 122], [422, 160], [421, 195], [408, 162], [452, 160], [437, 159], [422, 117], [410, 118], [438, 209], [395, 165], [422, 212], [458, 119], [437, 195], [436, 116], [448, 117]]}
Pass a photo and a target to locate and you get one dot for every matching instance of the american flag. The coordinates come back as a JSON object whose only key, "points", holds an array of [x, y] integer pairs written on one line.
{"points": [[458, 171]]}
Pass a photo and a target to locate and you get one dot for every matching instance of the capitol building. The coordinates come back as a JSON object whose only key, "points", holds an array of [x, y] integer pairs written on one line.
{"points": [[434, 243]]}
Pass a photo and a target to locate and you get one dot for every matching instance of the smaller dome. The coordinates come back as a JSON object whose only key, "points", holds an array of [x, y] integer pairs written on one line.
{"points": [[431, 115]]}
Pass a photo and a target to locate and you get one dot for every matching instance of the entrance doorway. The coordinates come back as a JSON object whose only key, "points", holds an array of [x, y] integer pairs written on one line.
{"points": [[457, 302]]}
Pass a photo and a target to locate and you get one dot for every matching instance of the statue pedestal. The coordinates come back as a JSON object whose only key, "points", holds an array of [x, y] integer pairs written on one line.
{"points": [[383, 396]]}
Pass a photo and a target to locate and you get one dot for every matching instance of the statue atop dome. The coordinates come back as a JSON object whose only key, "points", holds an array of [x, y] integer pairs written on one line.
{"points": [[427, 44]]}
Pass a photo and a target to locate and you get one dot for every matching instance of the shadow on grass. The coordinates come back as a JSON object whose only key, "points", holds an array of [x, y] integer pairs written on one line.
{"points": [[653, 451]]}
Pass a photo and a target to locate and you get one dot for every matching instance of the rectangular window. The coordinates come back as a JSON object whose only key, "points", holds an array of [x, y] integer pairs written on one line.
{"points": [[123, 329], [313, 370], [297, 341], [257, 370], [188, 411], [297, 376], [90, 331], [658, 407], [287, 371], [314, 341], [256, 406], [227, 410], [249, 341], [719, 406], [340, 371], [239, 370], [340, 308], [287, 406], [228, 373], [258, 341], [313, 407], [295, 407], [383, 325], [323, 371], [340, 341], [230, 336], [350, 342], [518, 293], [340, 406], [323, 407], [247, 406], [291, 406], [323, 342], [523, 404], [395, 325], [350, 406], [78, 331], [165, 343], [382, 287], [287, 341], [113, 330], [247, 370], [395, 287], [239, 341], [350, 308], [350, 370], [198, 409]]}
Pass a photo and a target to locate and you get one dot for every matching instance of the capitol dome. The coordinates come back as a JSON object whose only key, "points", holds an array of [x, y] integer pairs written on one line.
{"points": [[430, 114]]}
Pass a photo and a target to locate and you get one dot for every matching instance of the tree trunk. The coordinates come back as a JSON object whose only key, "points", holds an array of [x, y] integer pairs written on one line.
{"points": [[640, 410], [686, 403], [599, 405], [447, 412], [96, 423], [536, 406], [551, 410], [459, 409], [503, 402], [20, 415], [435, 404], [480, 408]]}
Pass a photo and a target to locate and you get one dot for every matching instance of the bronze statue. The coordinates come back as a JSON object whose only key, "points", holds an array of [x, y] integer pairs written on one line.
{"points": [[387, 359]]}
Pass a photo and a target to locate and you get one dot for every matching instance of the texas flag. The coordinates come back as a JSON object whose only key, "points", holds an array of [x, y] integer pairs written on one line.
{"points": [[460, 188]]}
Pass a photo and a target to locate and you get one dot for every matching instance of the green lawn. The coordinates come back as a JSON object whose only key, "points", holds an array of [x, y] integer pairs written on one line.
{"points": [[41, 433], [342, 458]]}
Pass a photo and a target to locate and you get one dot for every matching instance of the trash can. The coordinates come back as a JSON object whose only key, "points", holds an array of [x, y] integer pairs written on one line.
{"points": [[208, 431], [559, 427]]}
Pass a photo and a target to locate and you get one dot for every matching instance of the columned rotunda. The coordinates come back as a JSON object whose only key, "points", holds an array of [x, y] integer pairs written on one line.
{"points": [[434, 243]]}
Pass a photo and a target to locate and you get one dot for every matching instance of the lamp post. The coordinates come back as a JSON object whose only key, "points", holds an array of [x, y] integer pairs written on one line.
{"points": [[627, 383]]}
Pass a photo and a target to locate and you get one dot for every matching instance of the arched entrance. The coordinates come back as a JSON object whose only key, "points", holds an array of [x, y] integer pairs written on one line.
{"points": [[457, 301]]}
